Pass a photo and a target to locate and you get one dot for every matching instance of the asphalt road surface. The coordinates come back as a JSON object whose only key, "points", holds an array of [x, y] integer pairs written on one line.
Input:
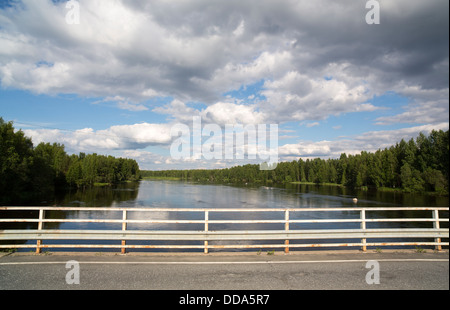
{"points": [[229, 272]]}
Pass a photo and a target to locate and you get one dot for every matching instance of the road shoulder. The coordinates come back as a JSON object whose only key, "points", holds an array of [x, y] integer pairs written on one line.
{"points": [[227, 257]]}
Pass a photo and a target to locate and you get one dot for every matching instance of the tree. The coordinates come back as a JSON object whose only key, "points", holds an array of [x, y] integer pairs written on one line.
{"points": [[302, 170], [416, 165], [374, 169], [26, 170], [434, 180], [75, 174], [16, 160], [411, 180], [388, 167], [342, 169], [333, 174], [51, 164]]}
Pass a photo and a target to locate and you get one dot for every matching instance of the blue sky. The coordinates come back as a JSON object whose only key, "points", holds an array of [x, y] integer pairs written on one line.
{"points": [[117, 81]]}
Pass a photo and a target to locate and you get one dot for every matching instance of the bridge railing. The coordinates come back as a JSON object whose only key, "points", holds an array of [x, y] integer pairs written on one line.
{"points": [[427, 230]]}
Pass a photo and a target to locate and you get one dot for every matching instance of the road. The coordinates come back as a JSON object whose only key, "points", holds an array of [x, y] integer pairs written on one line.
{"points": [[229, 272]]}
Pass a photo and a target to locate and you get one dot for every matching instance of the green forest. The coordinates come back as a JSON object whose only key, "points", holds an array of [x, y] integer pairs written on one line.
{"points": [[26, 169], [417, 165]]}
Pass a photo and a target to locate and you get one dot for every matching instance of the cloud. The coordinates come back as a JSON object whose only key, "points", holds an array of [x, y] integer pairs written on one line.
{"points": [[197, 50], [137, 136], [314, 59], [237, 72], [298, 97], [146, 160], [306, 149], [124, 104], [221, 113], [427, 107], [368, 141], [310, 125], [178, 111]]}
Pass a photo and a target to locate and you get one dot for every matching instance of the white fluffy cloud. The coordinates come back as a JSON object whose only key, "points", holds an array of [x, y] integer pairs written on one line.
{"points": [[314, 59], [229, 113], [137, 136], [298, 97], [221, 113], [427, 107], [369, 141], [197, 50]]}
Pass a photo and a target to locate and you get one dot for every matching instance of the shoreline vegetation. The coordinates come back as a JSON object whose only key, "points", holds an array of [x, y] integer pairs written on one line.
{"points": [[28, 172], [419, 165], [381, 189]]}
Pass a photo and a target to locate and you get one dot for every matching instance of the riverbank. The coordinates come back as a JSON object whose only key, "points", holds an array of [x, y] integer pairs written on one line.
{"points": [[162, 178], [363, 188], [312, 183]]}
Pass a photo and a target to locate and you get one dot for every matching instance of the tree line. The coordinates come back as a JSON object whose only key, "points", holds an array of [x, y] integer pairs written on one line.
{"points": [[26, 169], [417, 165]]}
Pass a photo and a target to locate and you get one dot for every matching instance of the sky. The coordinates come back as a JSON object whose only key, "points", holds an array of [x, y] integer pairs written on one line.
{"points": [[113, 77]]}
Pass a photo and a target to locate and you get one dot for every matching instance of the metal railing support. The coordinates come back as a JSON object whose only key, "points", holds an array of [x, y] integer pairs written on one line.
{"points": [[39, 242], [286, 228], [437, 236], [437, 226], [363, 227], [124, 228], [206, 230]]}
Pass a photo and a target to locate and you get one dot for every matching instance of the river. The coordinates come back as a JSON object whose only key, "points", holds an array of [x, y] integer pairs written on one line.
{"points": [[179, 194]]}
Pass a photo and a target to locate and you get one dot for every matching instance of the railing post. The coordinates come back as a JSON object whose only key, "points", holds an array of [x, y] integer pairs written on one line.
{"points": [[124, 228], [286, 228], [206, 229], [436, 225], [363, 227], [39, 242]]}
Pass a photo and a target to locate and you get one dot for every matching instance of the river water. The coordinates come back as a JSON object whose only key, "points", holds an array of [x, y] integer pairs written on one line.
{"points": [[179, 194]]}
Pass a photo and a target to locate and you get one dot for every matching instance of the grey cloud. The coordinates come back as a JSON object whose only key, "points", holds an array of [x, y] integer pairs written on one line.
{"points": [[368, 141], [123, 137], [192, 51]]}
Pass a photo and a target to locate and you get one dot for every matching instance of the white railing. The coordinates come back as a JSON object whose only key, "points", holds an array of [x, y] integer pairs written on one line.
{"points": [[206, 235]]}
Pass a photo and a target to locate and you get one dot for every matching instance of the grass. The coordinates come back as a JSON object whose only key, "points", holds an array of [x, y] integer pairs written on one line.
{"points": [[9, 250], [102, 184], [162, 178], [313, 183], [390, 189], [420, 250]]}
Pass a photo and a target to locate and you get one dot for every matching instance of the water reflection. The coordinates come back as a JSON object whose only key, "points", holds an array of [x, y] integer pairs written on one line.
{"points": [[174, 194], [100, 196]]}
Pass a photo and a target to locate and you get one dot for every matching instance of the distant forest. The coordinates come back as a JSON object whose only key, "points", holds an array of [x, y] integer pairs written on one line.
{"points": [[26, 169], [419, 165]]}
